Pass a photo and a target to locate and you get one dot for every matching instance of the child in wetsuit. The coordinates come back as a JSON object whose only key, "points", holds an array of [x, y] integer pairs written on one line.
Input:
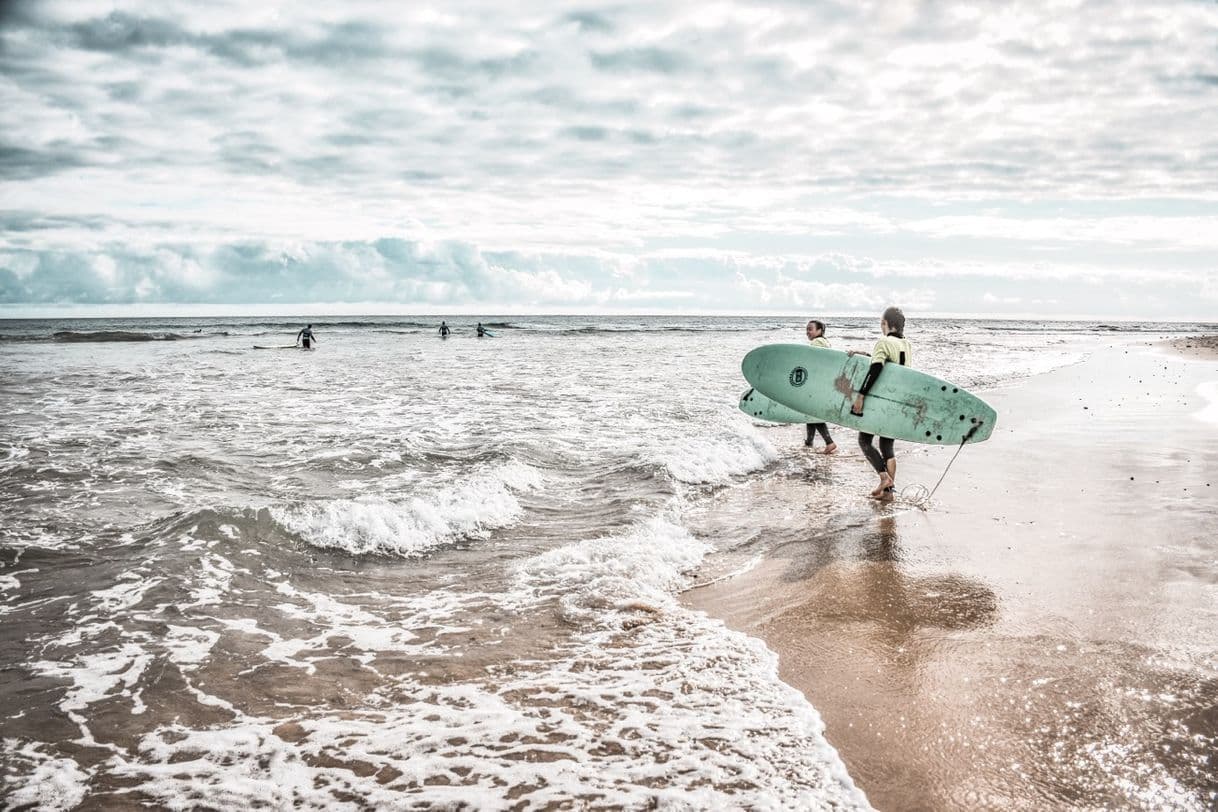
{"points": [[816, 335], [892, 348]]}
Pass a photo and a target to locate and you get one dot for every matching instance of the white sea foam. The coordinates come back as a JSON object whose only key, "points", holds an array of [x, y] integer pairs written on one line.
{"points": [[645, 566], [210, 579], [10, 583], [678, 711], [94, 677], [475, 506], [1208, 391], [680, 714], [189, 646], [38, 780], [733, 449], [123, 595]]}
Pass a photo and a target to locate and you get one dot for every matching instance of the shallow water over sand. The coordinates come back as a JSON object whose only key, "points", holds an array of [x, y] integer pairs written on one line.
{"points": [[405, 568]]}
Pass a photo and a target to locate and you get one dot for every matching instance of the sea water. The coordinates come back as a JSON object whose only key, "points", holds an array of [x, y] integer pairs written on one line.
{"points": [[398, 570]]}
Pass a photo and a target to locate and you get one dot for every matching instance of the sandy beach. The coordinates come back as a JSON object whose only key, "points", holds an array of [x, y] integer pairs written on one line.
{"points": [[1046, 635], [1196, 346]]}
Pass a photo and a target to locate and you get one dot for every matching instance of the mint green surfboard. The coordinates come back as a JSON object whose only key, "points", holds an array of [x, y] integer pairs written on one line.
{"points": [[757, 405], [904, 404]]}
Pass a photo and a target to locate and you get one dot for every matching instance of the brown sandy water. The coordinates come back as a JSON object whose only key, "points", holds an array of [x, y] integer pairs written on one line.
{"points": [[1046, 635]]}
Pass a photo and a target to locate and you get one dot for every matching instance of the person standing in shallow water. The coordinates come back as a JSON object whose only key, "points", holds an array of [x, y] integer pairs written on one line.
{"points": [[895, 349], [305, 338], [444, 331], [816, 335]]}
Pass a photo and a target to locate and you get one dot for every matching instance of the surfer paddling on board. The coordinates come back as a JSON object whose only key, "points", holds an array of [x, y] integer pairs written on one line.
{"points": [[444, 331], [305, 338], [816, 335], [892, 348]]}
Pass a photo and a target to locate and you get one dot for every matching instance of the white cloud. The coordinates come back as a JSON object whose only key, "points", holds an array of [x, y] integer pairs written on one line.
{"points": [[926, 141]]}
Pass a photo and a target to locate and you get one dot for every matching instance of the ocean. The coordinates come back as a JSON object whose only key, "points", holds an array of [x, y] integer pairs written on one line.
{"points": [[400, 571]]}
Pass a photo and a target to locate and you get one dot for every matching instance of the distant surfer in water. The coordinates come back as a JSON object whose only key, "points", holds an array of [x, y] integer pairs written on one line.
{"points": [[305, 337], [444, 331], [892, 348], [816, 335], [481, 330]]}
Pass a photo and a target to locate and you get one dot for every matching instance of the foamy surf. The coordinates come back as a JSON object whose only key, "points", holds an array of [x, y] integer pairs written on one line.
{"points": [[733, 449], [651, 705], [411, 527]]}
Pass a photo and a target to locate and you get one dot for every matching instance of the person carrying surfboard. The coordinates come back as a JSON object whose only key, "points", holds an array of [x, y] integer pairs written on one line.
{"points": [[305, 337], [892, 348], [816, 335], [481, 330]]}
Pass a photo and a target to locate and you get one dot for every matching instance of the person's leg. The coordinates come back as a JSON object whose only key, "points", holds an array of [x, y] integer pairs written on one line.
{"points": [[873, 457], [890, 467], [830, 446], [811, 434]]}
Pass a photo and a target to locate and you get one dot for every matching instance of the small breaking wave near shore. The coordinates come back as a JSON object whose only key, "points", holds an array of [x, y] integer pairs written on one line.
{"points": [[375, 525]]}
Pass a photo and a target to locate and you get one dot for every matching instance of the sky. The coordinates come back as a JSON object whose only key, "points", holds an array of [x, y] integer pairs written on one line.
{"points": [[1048, 159]]}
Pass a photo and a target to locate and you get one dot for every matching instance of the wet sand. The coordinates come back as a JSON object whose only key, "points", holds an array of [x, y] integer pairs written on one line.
{"points": [[1205, 347], [1046, 635]]}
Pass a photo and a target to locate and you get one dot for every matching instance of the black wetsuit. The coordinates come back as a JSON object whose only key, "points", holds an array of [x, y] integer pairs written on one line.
{"points": [[878, 459], [306, 338], [822, 429], [444, 331]]}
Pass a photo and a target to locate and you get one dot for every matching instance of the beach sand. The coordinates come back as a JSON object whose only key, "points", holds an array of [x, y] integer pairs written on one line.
{"points": [[1046, 635], [1196, 346]]}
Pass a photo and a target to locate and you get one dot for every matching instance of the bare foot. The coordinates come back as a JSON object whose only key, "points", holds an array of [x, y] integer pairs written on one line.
{"points": [[885, 483], [831, 448], [887, 495]]}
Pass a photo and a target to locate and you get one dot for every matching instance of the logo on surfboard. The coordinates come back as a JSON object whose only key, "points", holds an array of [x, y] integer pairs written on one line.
{"points": [[798, 376]]}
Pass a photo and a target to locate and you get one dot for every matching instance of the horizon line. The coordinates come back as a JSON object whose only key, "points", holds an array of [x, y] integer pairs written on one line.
{"points": [[310, 311]]}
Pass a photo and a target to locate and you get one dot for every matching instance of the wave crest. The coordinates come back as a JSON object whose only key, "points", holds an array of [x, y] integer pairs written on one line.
{"points": [[375, 525], [737, 449], [641, 568]]}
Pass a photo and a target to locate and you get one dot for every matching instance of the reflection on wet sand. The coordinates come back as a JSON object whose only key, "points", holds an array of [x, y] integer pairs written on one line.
{"points": [[932, 707]]}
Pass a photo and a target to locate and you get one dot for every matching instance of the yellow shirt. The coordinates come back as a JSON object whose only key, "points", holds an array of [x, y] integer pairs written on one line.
{"points": [[890, 348], [820, 341]]}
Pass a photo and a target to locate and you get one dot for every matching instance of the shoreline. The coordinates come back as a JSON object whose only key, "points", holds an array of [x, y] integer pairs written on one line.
{"points": [[1011, 646]]}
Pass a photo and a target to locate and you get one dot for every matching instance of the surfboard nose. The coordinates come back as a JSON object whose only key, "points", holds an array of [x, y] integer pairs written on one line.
{"points": [[760, 360]]}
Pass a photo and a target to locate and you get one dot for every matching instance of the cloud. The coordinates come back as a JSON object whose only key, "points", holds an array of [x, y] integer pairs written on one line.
{"points": [[931, 138], [418, 276]]}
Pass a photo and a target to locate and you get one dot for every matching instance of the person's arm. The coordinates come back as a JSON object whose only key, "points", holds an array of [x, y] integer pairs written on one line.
{"points": [[878, 358]]}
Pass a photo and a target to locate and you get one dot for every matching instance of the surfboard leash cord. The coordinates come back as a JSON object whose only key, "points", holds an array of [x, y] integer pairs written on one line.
{"points": [[918, 495]]}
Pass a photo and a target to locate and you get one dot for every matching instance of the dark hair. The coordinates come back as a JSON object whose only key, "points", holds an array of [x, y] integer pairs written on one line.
{"points": [[895, 319], [820, 325]]}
